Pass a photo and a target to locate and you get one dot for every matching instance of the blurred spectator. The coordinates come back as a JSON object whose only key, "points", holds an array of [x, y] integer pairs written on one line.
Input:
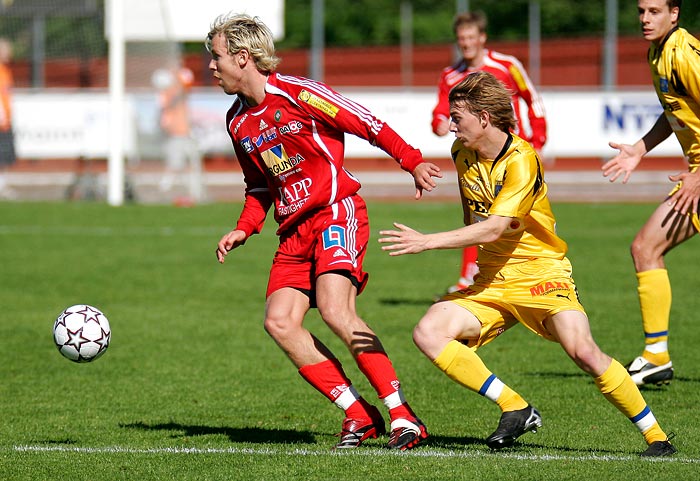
{"points": [[7, 141], [182, 157]]}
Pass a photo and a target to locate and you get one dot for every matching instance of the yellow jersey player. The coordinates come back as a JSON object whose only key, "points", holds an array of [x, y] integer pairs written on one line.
{"points": [[674, 58], [524, 278]]}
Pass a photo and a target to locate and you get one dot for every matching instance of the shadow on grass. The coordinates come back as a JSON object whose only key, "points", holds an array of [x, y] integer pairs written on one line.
{"points": [[685, 379], [456, 443], [451, 442], [64, 441], [236, 435], [558, 375], [395, 301]]}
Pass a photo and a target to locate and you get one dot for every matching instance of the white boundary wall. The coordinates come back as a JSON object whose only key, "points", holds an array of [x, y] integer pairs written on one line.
{"points": [[64, 124]]}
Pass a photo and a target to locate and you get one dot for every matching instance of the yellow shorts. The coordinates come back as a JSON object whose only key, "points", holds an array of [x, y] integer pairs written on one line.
{"points": [[528, 292]]}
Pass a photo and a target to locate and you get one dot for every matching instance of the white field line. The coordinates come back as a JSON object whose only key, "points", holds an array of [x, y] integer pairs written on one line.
{"points": [[422, 453]]}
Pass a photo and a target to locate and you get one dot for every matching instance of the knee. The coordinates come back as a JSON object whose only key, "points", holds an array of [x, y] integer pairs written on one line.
{"points": [[277, 327], [643, 251], [637, 249], [426, 339], [589, 357], [419, 336], [332, 313]]}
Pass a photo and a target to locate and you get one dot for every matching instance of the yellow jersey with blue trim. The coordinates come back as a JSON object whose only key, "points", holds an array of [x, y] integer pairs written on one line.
{"points": [[511, 185], [675, 68]]}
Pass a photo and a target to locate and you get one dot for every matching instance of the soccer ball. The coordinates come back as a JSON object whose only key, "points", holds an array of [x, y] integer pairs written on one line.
{"points": [[82, 333]]}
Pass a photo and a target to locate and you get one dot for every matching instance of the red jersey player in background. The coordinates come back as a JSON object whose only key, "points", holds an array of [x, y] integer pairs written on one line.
{"points": [[470, 32], [288, 134]]}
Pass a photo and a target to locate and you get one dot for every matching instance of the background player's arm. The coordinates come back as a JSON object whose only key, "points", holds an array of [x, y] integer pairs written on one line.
{"points": [[405, 240], [441, 113], [534, 103]]}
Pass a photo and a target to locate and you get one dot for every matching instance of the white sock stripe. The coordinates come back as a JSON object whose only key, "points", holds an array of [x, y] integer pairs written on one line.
{"points": [[347, 398], [494, 390], [394, 400], [646, 423], [657, 347]]}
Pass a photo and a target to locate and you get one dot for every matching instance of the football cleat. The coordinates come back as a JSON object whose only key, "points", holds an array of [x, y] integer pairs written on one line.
{"points": [[660, 448], [406, 434], [512, 425], [643, 372], [355, 431]]}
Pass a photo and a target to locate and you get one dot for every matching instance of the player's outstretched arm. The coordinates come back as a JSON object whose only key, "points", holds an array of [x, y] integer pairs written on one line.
{"points": [[229, 242], [405, 240], [423, 177], [630, 155]]}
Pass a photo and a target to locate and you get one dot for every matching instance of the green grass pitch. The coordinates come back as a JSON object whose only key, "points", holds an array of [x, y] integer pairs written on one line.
{"points": [[192, 388]]}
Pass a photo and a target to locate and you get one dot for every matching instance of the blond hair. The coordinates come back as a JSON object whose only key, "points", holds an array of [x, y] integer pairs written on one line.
{"points": [[243, 32]]}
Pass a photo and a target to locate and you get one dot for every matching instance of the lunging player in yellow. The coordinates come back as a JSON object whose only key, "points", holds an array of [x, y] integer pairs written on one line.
{"points": [[524, 273]]}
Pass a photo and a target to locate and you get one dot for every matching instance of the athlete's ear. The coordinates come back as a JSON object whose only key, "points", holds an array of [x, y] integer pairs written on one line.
{"points": [[242, 57], [675, 11], [484, 117]]}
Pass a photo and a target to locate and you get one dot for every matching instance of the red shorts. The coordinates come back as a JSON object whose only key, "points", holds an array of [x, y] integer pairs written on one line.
{"points": [[332, 239]]}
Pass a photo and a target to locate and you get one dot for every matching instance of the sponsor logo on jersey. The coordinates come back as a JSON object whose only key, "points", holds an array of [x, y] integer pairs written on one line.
{"points": [[477, 207], [546, 288], [262, 125], [317, 102], [267, 136], [340, 253], [293, 127], [278, 161], [673, 106], [278, 115], [239, 123], [663, 85], [285, 210], [296, 192], [247, 145]]}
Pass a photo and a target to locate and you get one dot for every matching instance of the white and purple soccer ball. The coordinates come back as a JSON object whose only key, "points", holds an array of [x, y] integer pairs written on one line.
{"points": [[82, 333]]}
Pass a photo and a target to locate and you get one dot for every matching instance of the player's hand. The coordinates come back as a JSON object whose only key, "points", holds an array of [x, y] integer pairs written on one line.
{"points": [[686, 199], [423, 177], [402, 241], [229, 242], [623, 163]]}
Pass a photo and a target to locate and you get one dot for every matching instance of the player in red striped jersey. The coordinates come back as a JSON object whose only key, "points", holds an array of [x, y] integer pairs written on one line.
{"points": [[470, 32], [288, 134]]}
